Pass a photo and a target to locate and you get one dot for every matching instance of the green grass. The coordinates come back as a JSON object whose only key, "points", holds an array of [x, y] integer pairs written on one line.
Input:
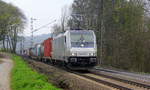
{"points": [[24, 78]]}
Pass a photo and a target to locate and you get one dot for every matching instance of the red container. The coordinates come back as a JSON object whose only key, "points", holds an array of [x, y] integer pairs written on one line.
{"points": [[48, 47]]}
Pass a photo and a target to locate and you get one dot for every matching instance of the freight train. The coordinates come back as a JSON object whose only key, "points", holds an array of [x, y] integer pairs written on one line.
{"points": [[76, 49]]}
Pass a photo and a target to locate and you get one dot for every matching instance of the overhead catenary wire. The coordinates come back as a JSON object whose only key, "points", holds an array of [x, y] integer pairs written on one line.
{"points": [[43, 26], [34, 30]]}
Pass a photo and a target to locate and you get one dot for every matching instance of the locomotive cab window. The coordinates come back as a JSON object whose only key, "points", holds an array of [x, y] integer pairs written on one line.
{"points": [[82, 39]]}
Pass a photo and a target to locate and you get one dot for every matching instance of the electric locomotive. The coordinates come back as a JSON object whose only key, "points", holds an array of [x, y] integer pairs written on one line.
{"points": [[76, 48]]}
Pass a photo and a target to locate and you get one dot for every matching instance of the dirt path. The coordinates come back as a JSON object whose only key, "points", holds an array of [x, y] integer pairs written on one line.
{"points": [[5, 70]]}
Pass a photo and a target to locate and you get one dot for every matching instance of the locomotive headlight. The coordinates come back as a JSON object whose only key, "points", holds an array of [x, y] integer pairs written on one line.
{"points": [[91, 54], [74, 54]]}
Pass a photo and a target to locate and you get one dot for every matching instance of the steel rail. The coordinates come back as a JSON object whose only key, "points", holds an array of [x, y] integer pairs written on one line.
{"points": [[103, 82], [131, 82]]}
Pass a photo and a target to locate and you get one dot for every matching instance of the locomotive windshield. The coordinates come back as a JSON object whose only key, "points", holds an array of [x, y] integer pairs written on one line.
{"points": [[82, 39]]}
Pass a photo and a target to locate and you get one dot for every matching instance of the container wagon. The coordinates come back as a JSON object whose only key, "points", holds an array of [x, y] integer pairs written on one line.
{"points": [[46, 49]]}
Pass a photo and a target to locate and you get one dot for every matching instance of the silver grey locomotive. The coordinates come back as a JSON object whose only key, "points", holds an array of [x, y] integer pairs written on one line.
{"points": [[76, 48]]}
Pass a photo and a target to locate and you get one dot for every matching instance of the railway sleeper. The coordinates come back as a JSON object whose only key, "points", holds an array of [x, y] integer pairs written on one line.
{"points": [[125, 81]]}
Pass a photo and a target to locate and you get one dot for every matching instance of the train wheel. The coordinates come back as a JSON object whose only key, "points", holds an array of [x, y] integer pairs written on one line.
{"points": [[53, 62]]}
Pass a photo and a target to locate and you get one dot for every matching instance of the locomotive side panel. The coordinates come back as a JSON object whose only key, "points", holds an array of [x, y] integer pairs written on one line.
{"points": [[58, 48]]}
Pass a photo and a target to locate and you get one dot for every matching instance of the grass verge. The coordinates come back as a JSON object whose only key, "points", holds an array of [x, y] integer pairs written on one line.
{"points": [[24, 78]]}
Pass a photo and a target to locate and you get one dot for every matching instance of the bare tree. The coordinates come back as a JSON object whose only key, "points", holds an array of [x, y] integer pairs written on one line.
{"points": [[56, 29], [64, 17]]}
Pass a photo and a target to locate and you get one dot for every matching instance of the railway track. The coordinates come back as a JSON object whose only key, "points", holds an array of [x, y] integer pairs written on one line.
{"points": [[116, 83], [111, 80], [101, 81], [137, 76], [131, 83]]}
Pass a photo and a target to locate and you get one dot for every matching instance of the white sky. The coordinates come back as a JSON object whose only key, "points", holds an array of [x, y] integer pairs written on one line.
{"points": [[45, 11]]}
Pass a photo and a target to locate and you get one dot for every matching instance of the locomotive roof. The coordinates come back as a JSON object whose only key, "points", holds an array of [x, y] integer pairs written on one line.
{"points": [[62, 34], [79, 30]]}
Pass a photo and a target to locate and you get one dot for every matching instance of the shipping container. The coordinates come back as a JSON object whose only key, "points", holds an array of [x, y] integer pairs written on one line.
{"points": [[48, 48], [30, 52], [33, 51], [42, 49], [27, 52], [38, 50]]}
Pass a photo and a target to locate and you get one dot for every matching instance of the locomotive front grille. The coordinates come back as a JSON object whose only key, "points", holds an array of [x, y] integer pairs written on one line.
{"points": [[82, 61], [82, 54]]}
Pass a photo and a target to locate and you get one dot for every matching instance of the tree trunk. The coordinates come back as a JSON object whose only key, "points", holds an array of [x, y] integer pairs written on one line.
{"points": [[4, 43], [10, 45], [14, 40]]}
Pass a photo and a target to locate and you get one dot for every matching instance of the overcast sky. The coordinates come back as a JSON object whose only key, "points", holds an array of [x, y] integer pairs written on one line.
{"points": [[44, 11]]}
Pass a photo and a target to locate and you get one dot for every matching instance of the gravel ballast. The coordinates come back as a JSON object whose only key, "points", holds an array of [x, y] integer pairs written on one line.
{"points": [[64, 79]]}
